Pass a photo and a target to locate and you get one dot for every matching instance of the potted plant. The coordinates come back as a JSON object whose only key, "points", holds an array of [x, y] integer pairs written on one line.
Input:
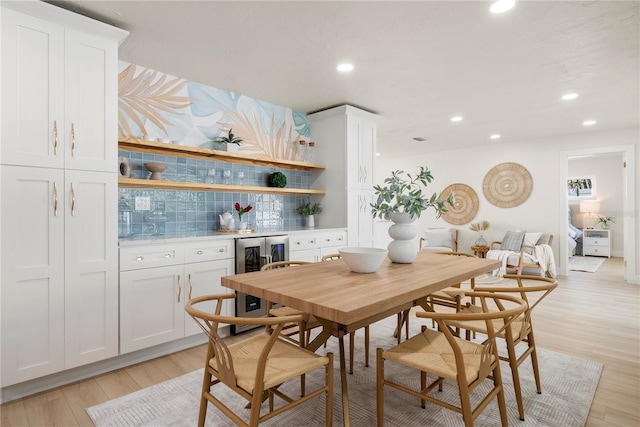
{"points": [[226, 143], [242, 225], [277, 179], [480, 227], [309, 210], [402, 200], [604, 221]]}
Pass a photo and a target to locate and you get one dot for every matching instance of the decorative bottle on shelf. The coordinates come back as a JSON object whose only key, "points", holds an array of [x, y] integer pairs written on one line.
{"points": [[311, 152], [300, 154]]}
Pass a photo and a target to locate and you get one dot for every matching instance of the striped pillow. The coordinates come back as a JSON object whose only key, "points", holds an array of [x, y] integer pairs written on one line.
{"points": [[512, 241]]}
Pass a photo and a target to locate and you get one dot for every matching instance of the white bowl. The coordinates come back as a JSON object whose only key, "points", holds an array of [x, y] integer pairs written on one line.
{"points": [[363, 260]]}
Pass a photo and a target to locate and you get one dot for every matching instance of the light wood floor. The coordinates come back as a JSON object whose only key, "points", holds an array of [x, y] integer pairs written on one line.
{"points": [[595, 316]]}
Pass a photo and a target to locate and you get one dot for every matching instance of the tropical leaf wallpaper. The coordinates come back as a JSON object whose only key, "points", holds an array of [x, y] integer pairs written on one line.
{"points": [[157, 105]]}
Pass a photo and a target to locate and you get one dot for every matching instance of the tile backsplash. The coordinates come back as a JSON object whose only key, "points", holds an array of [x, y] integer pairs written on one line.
{"points": [[197, 211]]}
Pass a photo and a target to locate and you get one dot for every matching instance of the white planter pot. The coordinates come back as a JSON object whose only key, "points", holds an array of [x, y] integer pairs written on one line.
{"points": [[402, 249], [311, 221]]}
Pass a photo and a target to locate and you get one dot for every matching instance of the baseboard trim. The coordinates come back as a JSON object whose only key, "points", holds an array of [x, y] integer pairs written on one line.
{"points": [[38, 385]]}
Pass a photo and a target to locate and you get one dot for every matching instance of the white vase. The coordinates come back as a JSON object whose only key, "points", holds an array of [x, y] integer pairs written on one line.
{"points": [[311, 221], [402, 249]]}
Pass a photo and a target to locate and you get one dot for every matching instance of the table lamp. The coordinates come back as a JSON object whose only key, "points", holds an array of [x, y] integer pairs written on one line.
{"points": [[589, 207]]}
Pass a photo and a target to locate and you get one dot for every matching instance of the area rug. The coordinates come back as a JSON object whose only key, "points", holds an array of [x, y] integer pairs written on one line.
{"points": [[585, 263], [568, 387]]}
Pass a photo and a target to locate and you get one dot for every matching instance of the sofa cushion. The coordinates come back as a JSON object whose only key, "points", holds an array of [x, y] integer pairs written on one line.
{"points": [[532, 238], [438, 238], [512, 241]]}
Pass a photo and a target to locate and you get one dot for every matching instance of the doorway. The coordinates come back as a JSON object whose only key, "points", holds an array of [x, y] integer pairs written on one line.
{"points": [[626, 219]]}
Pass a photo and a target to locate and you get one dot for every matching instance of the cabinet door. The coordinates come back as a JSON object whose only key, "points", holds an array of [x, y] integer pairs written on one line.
{"points": [[32, 91], [91, 96], [309, 255], [151, 307], [360, 221], [91, 267], [32, 273], [203, 278], [361, 135]]}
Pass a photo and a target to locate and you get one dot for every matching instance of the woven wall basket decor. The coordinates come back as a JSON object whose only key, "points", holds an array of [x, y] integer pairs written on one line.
{"points": [[507, 185], [465, 204]]}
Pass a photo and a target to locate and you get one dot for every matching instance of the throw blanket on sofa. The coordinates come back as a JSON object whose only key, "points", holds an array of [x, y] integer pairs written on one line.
{"points": [[500, 256], [543, 255]]}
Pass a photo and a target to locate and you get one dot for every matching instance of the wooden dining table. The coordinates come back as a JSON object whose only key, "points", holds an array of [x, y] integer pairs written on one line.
{"points": [[344, 301]]}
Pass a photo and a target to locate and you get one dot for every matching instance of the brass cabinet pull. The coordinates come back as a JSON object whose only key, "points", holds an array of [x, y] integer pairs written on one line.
{"points": [[140, 259], [55, 137], [221, 250], [55, 199], [190, 286], [199, 253], [73, 140], [179, 288], [73, 200], [167, 256]]}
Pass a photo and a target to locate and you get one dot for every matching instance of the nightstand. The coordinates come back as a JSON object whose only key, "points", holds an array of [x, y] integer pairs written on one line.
{"points": [[596, 242], [480, 251]]}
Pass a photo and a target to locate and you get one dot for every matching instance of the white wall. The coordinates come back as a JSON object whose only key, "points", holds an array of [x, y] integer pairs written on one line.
{"points": [[540, 212], [607, 170]]}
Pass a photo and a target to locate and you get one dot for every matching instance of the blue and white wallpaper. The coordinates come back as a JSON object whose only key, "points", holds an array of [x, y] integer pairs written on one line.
{"points": [[158, 105]]}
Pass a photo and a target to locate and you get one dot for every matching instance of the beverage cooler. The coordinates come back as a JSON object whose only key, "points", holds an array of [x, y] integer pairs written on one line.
{"points": [[251, 254]]}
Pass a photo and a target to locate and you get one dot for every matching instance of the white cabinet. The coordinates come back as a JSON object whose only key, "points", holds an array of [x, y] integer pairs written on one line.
{"points": [[345, 140], [59, 94], [312, 246], [157, 280], [58, 221], [596, 242], [59, 270]]}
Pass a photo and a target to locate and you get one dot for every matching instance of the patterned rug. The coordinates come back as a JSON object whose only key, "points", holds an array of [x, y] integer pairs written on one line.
{"points": [[568, 387], [585, 263]]}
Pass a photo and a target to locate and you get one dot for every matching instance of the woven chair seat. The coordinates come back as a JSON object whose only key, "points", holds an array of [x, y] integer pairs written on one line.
{"points": [[449, 293], [430, 351], [286, 361]]}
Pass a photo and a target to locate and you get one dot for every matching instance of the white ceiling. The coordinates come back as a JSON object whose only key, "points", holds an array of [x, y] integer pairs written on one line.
{"points": [[416, 63]]}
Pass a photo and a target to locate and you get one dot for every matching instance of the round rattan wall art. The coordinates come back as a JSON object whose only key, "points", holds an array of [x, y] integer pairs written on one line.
{"points": [[507, 185], [465, 204]]}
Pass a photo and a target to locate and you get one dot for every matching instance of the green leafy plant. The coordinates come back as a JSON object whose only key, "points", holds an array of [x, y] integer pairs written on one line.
{"points": [[309, 209], [229, 139], [605, 220], [277, 179], [404, 194]]}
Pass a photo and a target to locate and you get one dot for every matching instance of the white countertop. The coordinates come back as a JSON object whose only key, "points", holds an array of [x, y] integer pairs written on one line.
{"points": [[205, 235]]}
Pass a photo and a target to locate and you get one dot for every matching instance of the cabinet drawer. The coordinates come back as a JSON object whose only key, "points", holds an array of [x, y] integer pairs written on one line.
{"points": [[303, 242], [335, 239], [133, 258], [596, 241], [210, 250]]}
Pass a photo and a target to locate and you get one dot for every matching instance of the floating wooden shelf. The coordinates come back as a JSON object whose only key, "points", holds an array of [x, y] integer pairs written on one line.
{"points": [[198, 186], [137, 145]]}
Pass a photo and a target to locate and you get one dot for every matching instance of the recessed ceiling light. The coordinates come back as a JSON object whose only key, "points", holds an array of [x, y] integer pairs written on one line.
{"points": [[569, 96], [502, 6], [456, 118], [495, 136], [377, 154], [589, 122], [420, 139], [345, 68]]}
